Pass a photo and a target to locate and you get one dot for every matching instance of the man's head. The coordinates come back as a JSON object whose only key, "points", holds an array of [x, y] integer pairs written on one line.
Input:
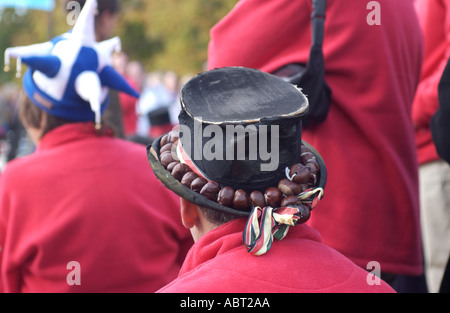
{"points": [[238, 151], [105, 20], [36, 121], [201, 220]]}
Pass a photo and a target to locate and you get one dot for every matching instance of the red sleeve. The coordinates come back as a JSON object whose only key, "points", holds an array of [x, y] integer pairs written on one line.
{"points": [[262, 34], [128, 105], [426, 101], [2, 231], [8, 278], [128, 102]]}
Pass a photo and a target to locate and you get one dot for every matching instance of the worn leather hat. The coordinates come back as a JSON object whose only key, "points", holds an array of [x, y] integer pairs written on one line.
{"points": [[240, 130], [238, 149]]}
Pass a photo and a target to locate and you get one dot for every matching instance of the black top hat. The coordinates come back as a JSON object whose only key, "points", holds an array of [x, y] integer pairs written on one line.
{"points": [[239, 144], [160, 116]]}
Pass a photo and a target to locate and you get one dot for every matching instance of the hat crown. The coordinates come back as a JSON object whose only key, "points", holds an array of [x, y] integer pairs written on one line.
{"points": [[241, 95], [241, 127]]}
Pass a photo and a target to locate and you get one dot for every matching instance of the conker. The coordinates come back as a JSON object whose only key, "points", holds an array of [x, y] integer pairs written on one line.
{"points": [[312, 168], [257, 199], [164, 140], [198, 183], [301, 173], [289, 188], [166, 147], [179, 170], [304, 148], [188, 178], [305, 213], [240, 200], [306, 156], [166, 158], [225, 196], [314, 163], [289, 200], [210, 190], [273, 197], [172, 165]]}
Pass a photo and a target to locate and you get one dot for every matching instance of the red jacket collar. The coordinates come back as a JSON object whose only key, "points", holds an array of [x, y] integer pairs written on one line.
{"points": [[70, 132], [228, 237]]}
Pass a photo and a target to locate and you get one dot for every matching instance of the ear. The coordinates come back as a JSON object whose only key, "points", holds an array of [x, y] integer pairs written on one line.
{"points": [[189, 214]]}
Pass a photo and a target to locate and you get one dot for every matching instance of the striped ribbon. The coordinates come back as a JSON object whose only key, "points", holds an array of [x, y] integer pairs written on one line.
{"points": [[184, 158], [265, 224]]}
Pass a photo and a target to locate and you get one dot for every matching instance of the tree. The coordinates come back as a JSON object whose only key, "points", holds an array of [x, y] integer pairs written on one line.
{"points": [[162, 35], [170, 35]]}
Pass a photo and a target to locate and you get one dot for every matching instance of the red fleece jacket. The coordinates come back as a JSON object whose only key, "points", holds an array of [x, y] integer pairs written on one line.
{"points": [[93, 200], [300, 263], [434, 16], [370, 211]]}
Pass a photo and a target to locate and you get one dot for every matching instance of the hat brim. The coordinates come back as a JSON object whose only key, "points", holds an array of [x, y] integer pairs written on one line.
{"points": [[186, 193]]}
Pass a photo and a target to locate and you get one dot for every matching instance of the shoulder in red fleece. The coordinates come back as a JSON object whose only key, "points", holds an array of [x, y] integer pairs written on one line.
{"points": [[93, 200], [218, 262]]}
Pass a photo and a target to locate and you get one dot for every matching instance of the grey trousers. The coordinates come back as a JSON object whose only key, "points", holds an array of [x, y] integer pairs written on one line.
{"points": [[434, 181]]}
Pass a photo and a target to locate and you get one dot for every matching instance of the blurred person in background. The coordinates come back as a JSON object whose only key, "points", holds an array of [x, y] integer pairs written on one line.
{"points": [[83, 212], [10, 126], [105, 23], [440, 130], [134, 74], [434, 172], [373, 58], [16, 143], [175, 108], [159, 95]]}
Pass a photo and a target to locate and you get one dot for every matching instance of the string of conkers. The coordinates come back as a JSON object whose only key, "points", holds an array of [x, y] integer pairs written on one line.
{"points": [[302, 176]]}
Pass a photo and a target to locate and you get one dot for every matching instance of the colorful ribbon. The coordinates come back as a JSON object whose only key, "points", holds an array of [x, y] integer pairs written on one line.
{"points": [[184, 158], [265, 224]]}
